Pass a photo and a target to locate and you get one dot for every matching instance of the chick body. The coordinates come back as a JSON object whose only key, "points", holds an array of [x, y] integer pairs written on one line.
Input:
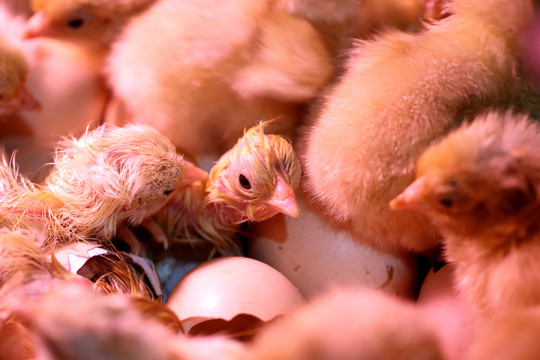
{"points": [[228, 65], [399, 93], [349, 323]]}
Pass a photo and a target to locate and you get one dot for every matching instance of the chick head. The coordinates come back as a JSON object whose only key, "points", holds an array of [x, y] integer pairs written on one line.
{"points": [[257, 176], [13, 72], [480, 178], [87, 21]]}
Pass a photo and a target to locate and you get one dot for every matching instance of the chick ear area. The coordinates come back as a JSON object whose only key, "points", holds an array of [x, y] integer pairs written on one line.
{"points": [[517, 190]]}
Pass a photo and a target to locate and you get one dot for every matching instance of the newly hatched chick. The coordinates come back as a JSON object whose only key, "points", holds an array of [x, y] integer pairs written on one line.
{"points": [[253, 181], [480, 187], [349, 323], [399, 93], [107, 177], [97, 326], [229, 64], [94, 23]]}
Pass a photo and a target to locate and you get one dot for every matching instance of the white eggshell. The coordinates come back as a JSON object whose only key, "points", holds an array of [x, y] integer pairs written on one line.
{"points": [[74, 255], [225, 287], [315, 256], [453, 317]]}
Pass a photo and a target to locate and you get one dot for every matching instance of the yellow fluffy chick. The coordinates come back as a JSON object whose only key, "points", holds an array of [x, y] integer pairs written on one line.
{"points": [[91, 22], [107, 177], [349, 323], [480, 187], [201, 72], [399, 93], [253, 181]]}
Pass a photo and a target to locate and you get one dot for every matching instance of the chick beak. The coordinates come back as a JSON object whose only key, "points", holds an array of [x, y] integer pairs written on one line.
{"points": [[283, 199], [412, 198], [192, 174], [38, 25], [27, 101]]}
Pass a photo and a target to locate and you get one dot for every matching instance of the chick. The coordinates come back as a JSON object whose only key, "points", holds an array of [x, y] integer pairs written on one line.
{"points": [[108, 177], [228, 65], [399, 93], [480, 185], [97, 326], [349, 323], [253, 181]]}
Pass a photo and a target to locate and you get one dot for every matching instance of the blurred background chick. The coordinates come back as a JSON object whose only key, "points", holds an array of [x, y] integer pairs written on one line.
{"points": [[349, 323], [480, 185], [400, 92], [227, 67]]}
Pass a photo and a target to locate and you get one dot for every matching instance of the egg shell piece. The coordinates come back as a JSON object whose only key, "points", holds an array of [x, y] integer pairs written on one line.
{"points": [[229, 286], [317, 256]]}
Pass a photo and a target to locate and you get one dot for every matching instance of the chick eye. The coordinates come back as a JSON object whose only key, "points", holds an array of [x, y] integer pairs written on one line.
{"points": [[75, 23], [244, 182], [446, 203], [167, 192]]}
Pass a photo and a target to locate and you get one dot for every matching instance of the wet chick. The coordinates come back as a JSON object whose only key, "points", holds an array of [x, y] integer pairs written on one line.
{"points": [[229, 65], [399, 93], [108, 177], [349, 323], [480, 186], [253, 181]]}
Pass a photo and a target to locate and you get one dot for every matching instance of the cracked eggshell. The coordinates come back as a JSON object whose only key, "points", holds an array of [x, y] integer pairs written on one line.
{"points": [[316, 256], [230, 287]]}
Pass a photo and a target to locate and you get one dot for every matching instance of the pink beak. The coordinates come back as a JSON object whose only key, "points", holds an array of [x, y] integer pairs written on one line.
{"points": [[192, 174], [27, 101], [412, 197], [283, 199], [38, 25]]}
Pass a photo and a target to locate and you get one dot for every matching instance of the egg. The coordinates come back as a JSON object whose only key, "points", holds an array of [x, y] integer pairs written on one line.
{"points": [[454, 318], [235, 295], [315, 256]]}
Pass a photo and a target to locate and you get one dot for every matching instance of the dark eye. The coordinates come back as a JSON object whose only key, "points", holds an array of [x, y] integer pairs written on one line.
{"points": [[446, 203], [244, 182], [75, 23], [167, 192]]}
